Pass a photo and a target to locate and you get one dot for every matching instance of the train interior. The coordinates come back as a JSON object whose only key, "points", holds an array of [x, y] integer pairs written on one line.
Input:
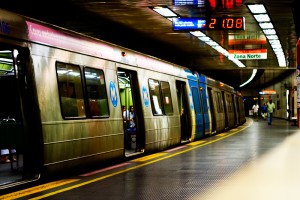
{"points": [[11, 140], [132, 118]]}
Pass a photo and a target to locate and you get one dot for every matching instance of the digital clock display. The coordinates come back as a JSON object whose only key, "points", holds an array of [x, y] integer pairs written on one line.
{"points": [[212, 23]]}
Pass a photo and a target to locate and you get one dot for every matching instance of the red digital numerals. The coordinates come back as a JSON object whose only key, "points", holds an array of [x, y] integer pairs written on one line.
{"points": [[220, 23]]}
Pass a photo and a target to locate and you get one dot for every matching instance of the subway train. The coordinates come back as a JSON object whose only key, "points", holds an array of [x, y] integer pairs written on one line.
{"points": [[65, 101]]}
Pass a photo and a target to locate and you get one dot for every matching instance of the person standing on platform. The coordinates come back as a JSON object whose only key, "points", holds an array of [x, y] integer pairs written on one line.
{"points": [[270, 109], [264, 111], [255, 108]]}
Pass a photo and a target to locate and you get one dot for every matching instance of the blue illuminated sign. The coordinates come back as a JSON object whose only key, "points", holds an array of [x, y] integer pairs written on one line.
{"points": [[188, 2], [188, 24]]}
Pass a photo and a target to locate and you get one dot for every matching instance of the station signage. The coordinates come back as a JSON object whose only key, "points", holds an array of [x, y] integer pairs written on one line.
{"points": [[188, 2], [247, 38], [267, 92], [212, 23], [248, 54]]}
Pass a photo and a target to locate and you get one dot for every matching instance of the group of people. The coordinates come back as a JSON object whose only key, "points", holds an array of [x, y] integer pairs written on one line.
{"points": [[266, 111], [129, 118]]}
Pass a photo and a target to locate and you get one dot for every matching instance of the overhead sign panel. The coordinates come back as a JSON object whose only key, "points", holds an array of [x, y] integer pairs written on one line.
{"points": [[187, 24], [212, 23], [268, 92], [188, 2], [249, 54]]}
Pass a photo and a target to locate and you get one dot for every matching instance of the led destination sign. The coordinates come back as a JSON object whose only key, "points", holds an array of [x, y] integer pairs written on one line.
{"points": [[213, 23]]}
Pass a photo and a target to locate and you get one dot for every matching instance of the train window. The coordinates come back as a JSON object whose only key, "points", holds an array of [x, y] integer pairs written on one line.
{"points": [[229, 102], [155, 97], [196, 100], [70, 90], [219, 102], [6, 63], [96, 91], [166, 95]]}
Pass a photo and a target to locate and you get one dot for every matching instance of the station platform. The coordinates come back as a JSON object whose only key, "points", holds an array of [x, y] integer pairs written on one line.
{"points": [[255, 161]]}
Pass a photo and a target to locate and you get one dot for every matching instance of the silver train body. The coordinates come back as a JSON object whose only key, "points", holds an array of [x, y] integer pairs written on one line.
{"points": [[63, 96]]}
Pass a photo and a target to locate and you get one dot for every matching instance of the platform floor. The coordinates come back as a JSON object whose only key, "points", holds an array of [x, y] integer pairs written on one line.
{"points": [[255, 161]]}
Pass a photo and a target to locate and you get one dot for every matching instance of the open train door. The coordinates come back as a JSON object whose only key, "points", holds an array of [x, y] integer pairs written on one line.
{"points": [[183, 111], [134, 131], [18, 111], [11, 133]]}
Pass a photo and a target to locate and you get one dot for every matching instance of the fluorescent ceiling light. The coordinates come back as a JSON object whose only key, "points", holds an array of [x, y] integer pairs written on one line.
{"points": [[6, 60], [164, 11], [277, 50], [257, 8], [260, 14], [262, 18], [269, 31], [282, 63], [266, 25], [204, 39], [198, 33], [212, 43], [272, 37], [254, 71], [274, 41], [275, 46]]}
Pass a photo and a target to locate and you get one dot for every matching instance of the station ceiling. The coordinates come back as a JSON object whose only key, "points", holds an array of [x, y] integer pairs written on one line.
{"points": [[133, 24]]}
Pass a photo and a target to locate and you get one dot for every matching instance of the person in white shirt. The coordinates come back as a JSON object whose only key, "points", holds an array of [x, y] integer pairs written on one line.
{"points": [[255, 108]]}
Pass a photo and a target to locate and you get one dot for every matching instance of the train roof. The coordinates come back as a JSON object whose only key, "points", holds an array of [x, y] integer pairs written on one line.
{"points": [[35, 31]]}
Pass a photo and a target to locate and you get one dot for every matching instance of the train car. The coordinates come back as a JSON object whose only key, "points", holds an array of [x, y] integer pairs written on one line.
{"points": [[224, 108], [70, 101]]}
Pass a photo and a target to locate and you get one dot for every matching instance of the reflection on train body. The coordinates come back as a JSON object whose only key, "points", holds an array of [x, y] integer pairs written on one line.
{"points": [[63, 96]]}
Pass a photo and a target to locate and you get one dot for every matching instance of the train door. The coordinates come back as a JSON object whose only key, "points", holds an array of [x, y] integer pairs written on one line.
{"points": [[11, 135], [198, 107], [184, 111], [225, 108], [134, 133], [235, 111], [20, 125], [212, 110]]}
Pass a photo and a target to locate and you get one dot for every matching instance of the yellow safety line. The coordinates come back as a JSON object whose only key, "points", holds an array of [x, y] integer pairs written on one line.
{"points": [[36, 189], [145, 158], [196, 143], [201, 144]]}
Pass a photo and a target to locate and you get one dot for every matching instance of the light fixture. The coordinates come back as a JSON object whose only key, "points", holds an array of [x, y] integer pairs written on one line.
{"points": [[204, 38], [269, 32], [254, 71], [164, 11], [272, 37], [263, 19], [257, 8], [266, 25]]}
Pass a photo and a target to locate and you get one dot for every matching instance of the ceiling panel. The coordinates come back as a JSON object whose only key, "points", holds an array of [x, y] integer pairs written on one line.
{"points": [[133, 24]]}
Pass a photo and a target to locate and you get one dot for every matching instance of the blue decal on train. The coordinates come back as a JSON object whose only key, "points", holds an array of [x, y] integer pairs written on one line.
{"points": [[4, 27], [145, 96], [113, 94], [191, 101]]}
